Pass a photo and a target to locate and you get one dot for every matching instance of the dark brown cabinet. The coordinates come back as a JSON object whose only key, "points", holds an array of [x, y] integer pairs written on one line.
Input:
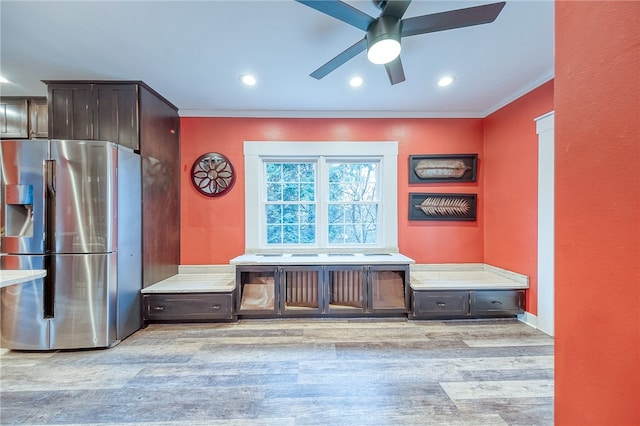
{"points": [[70, 111], [447, 304], [441, 304], [95, 111], [188, 307], [38, 118], [131, 114], [22, 118], [14, 117], [321, 290]]}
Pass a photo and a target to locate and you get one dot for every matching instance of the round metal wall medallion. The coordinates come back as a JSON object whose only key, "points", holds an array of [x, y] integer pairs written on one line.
{"points": [[212, 174]]}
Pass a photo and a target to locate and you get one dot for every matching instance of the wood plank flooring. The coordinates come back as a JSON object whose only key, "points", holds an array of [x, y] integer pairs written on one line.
{"points": [[291, 372]]}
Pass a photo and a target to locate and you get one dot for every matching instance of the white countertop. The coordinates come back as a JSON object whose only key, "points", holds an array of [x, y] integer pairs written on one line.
{"points": [[12, 277], [194, 283], [465, 277], [323, 259]]}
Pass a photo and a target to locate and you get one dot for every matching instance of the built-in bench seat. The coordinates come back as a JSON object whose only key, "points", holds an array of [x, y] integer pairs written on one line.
{"points": [[467, 290], [437, 291], [196, 293]]}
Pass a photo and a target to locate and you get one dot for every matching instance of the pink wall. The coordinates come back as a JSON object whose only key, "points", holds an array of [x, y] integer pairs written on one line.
{"points": [[212, 229], [597, 252], [511, 186]]}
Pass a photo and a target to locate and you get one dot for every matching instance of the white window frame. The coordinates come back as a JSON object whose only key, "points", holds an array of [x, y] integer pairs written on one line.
{"points": [[386, 152]]}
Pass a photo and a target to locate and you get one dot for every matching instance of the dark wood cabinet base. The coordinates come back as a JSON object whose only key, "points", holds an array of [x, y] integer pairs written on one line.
{"points": [[460, 304]]}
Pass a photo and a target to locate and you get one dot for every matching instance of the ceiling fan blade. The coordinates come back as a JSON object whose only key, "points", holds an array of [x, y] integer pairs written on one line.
{"points": [[341, 11], [396, 8], [452, 19], [395, 72], [343, 57]]}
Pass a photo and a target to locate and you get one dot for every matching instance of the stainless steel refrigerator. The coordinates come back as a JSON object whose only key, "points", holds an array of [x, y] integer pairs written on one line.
{"points": [[72, 208]]}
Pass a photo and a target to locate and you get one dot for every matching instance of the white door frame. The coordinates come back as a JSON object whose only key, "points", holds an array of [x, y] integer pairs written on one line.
{"points": [[545, 131]]}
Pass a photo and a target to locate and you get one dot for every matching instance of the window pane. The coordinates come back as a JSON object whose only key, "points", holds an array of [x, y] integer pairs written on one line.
{"points": [[274, 172], [290, 192], [274, 192], [274, 234], [274, 213], [307, 172], [290, 172], [290, 213], [336, 234], [307, 192], [291, 234], [307, 234], [336, 213], [352, 181], [307, 214]]}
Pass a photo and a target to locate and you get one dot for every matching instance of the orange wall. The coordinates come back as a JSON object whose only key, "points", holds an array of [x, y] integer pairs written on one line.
{"points": [[212, 229], [597, 253], [511, 186]]}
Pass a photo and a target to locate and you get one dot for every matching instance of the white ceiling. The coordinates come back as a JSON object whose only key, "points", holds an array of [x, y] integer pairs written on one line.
{"points": [[193, 52]]}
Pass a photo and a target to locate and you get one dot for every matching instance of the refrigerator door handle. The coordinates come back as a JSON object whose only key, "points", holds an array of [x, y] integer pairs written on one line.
{"points": [[49, 204], [49, 290], [50, 175]]}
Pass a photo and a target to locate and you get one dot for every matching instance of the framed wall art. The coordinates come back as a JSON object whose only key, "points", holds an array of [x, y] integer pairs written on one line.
{"points": [[433, 206], [443, 168], [212, 174]]}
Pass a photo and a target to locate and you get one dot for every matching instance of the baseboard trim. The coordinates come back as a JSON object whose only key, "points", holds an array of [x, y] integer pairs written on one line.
{"points": [[529, 319]]}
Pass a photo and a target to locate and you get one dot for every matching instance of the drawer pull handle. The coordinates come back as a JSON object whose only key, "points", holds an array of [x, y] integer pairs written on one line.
{"points": [[216, 307], [441, 304], [158, 308], [496, 302]]}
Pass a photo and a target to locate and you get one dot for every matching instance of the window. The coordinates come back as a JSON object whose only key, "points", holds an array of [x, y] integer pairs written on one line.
{"points": [[290, 203], [309, 196], [353, 203]]}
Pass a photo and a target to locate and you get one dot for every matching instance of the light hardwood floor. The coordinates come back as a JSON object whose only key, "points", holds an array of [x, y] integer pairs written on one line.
{"points": [[292, 372]]}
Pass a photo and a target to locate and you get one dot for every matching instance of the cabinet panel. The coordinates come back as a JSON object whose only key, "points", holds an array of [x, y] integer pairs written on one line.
{"points": [[13, 118], [257, 291], [441, 303], [387, 287], [38, 118], [116, 114], [496, 303], [301, 290], [70, 111], [190, 306], [345, 289]]}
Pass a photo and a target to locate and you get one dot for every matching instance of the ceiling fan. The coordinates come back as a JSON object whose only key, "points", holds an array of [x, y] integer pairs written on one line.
{"points": [[383, 34]]}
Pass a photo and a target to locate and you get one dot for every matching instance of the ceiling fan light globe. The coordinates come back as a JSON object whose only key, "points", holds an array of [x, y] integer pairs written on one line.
{"points": [[384, 51]]}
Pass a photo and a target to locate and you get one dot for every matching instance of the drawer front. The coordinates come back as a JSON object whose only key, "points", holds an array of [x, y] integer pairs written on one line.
{"points": [[196, 306], [497, 302], [440, 303]]}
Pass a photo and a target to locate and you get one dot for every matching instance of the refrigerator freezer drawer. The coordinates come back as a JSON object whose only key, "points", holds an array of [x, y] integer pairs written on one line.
{"points": [[84, 311], [23, 319]]}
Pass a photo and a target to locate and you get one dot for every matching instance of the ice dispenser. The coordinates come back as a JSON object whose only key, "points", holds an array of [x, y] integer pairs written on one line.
{"points": [[19, 210]]}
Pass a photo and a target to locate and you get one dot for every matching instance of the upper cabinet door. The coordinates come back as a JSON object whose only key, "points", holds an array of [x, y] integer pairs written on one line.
{"points": [[38, 118], [13, 118], [116, 114], [70, 111]]}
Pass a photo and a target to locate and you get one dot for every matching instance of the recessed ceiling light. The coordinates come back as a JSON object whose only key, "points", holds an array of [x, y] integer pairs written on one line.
{"points": [[356, 81], [248, 79], [445, 81], [3, 80]]}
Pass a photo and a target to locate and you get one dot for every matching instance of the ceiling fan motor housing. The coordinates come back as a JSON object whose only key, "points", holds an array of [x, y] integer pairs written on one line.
{"points": [[384, 28]]}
